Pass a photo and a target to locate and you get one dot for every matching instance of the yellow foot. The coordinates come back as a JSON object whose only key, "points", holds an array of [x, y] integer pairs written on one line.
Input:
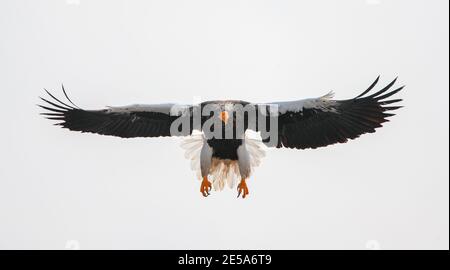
{"points": [[205, 187], [242, 188]]}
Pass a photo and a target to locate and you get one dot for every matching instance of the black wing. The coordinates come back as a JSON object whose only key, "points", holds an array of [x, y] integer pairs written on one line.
{"points": [[320, 122], [125, 122]]}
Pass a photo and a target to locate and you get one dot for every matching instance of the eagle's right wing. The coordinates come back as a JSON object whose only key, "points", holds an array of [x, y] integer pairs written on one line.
{"points": [[126, 122], [318, 122]]}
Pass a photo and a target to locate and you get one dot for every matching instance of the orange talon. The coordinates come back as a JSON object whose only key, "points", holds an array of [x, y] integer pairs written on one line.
{"points": [[242, 188], [205, 187]]}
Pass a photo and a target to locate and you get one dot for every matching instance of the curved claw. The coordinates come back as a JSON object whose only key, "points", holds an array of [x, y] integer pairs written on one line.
{"points": [[242, 189], [205, 187]]}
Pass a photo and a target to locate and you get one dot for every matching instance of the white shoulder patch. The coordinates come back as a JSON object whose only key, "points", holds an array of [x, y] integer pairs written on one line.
{"points": [[166, 108], [324, 103]]}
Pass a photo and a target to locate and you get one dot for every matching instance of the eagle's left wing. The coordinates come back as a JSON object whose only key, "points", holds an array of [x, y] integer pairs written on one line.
{"points": [[126, 122], [317, 122]]}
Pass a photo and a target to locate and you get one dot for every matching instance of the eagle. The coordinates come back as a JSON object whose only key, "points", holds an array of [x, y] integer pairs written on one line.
{"points": [[226, 139]]}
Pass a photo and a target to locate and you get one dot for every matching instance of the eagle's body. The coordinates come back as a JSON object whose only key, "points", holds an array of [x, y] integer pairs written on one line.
{"points": [[217, 133], [225, 148]]}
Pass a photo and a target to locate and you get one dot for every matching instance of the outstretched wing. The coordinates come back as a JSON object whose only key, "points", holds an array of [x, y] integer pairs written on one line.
{"points": [[126, 122], [319, 122]]}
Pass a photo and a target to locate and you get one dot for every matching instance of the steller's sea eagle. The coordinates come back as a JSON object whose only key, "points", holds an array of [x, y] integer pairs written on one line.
{"points": [[217, 134]]}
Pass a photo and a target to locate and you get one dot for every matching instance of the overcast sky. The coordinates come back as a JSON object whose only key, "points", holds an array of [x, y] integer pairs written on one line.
{"points": [[61, 189]]}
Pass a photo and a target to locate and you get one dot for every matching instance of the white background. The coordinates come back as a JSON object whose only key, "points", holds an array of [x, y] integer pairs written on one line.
{"points": [[61, 189]]}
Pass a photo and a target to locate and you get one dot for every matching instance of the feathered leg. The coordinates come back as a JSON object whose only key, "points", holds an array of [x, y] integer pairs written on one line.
{"points": [[205, 165], [244, 170]]}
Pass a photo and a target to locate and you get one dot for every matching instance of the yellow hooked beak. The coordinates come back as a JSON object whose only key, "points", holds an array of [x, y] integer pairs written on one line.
{"points": [[224, 116]]}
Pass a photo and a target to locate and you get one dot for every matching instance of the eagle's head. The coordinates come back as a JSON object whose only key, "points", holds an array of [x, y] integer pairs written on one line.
{"points": [[226, 110]]}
